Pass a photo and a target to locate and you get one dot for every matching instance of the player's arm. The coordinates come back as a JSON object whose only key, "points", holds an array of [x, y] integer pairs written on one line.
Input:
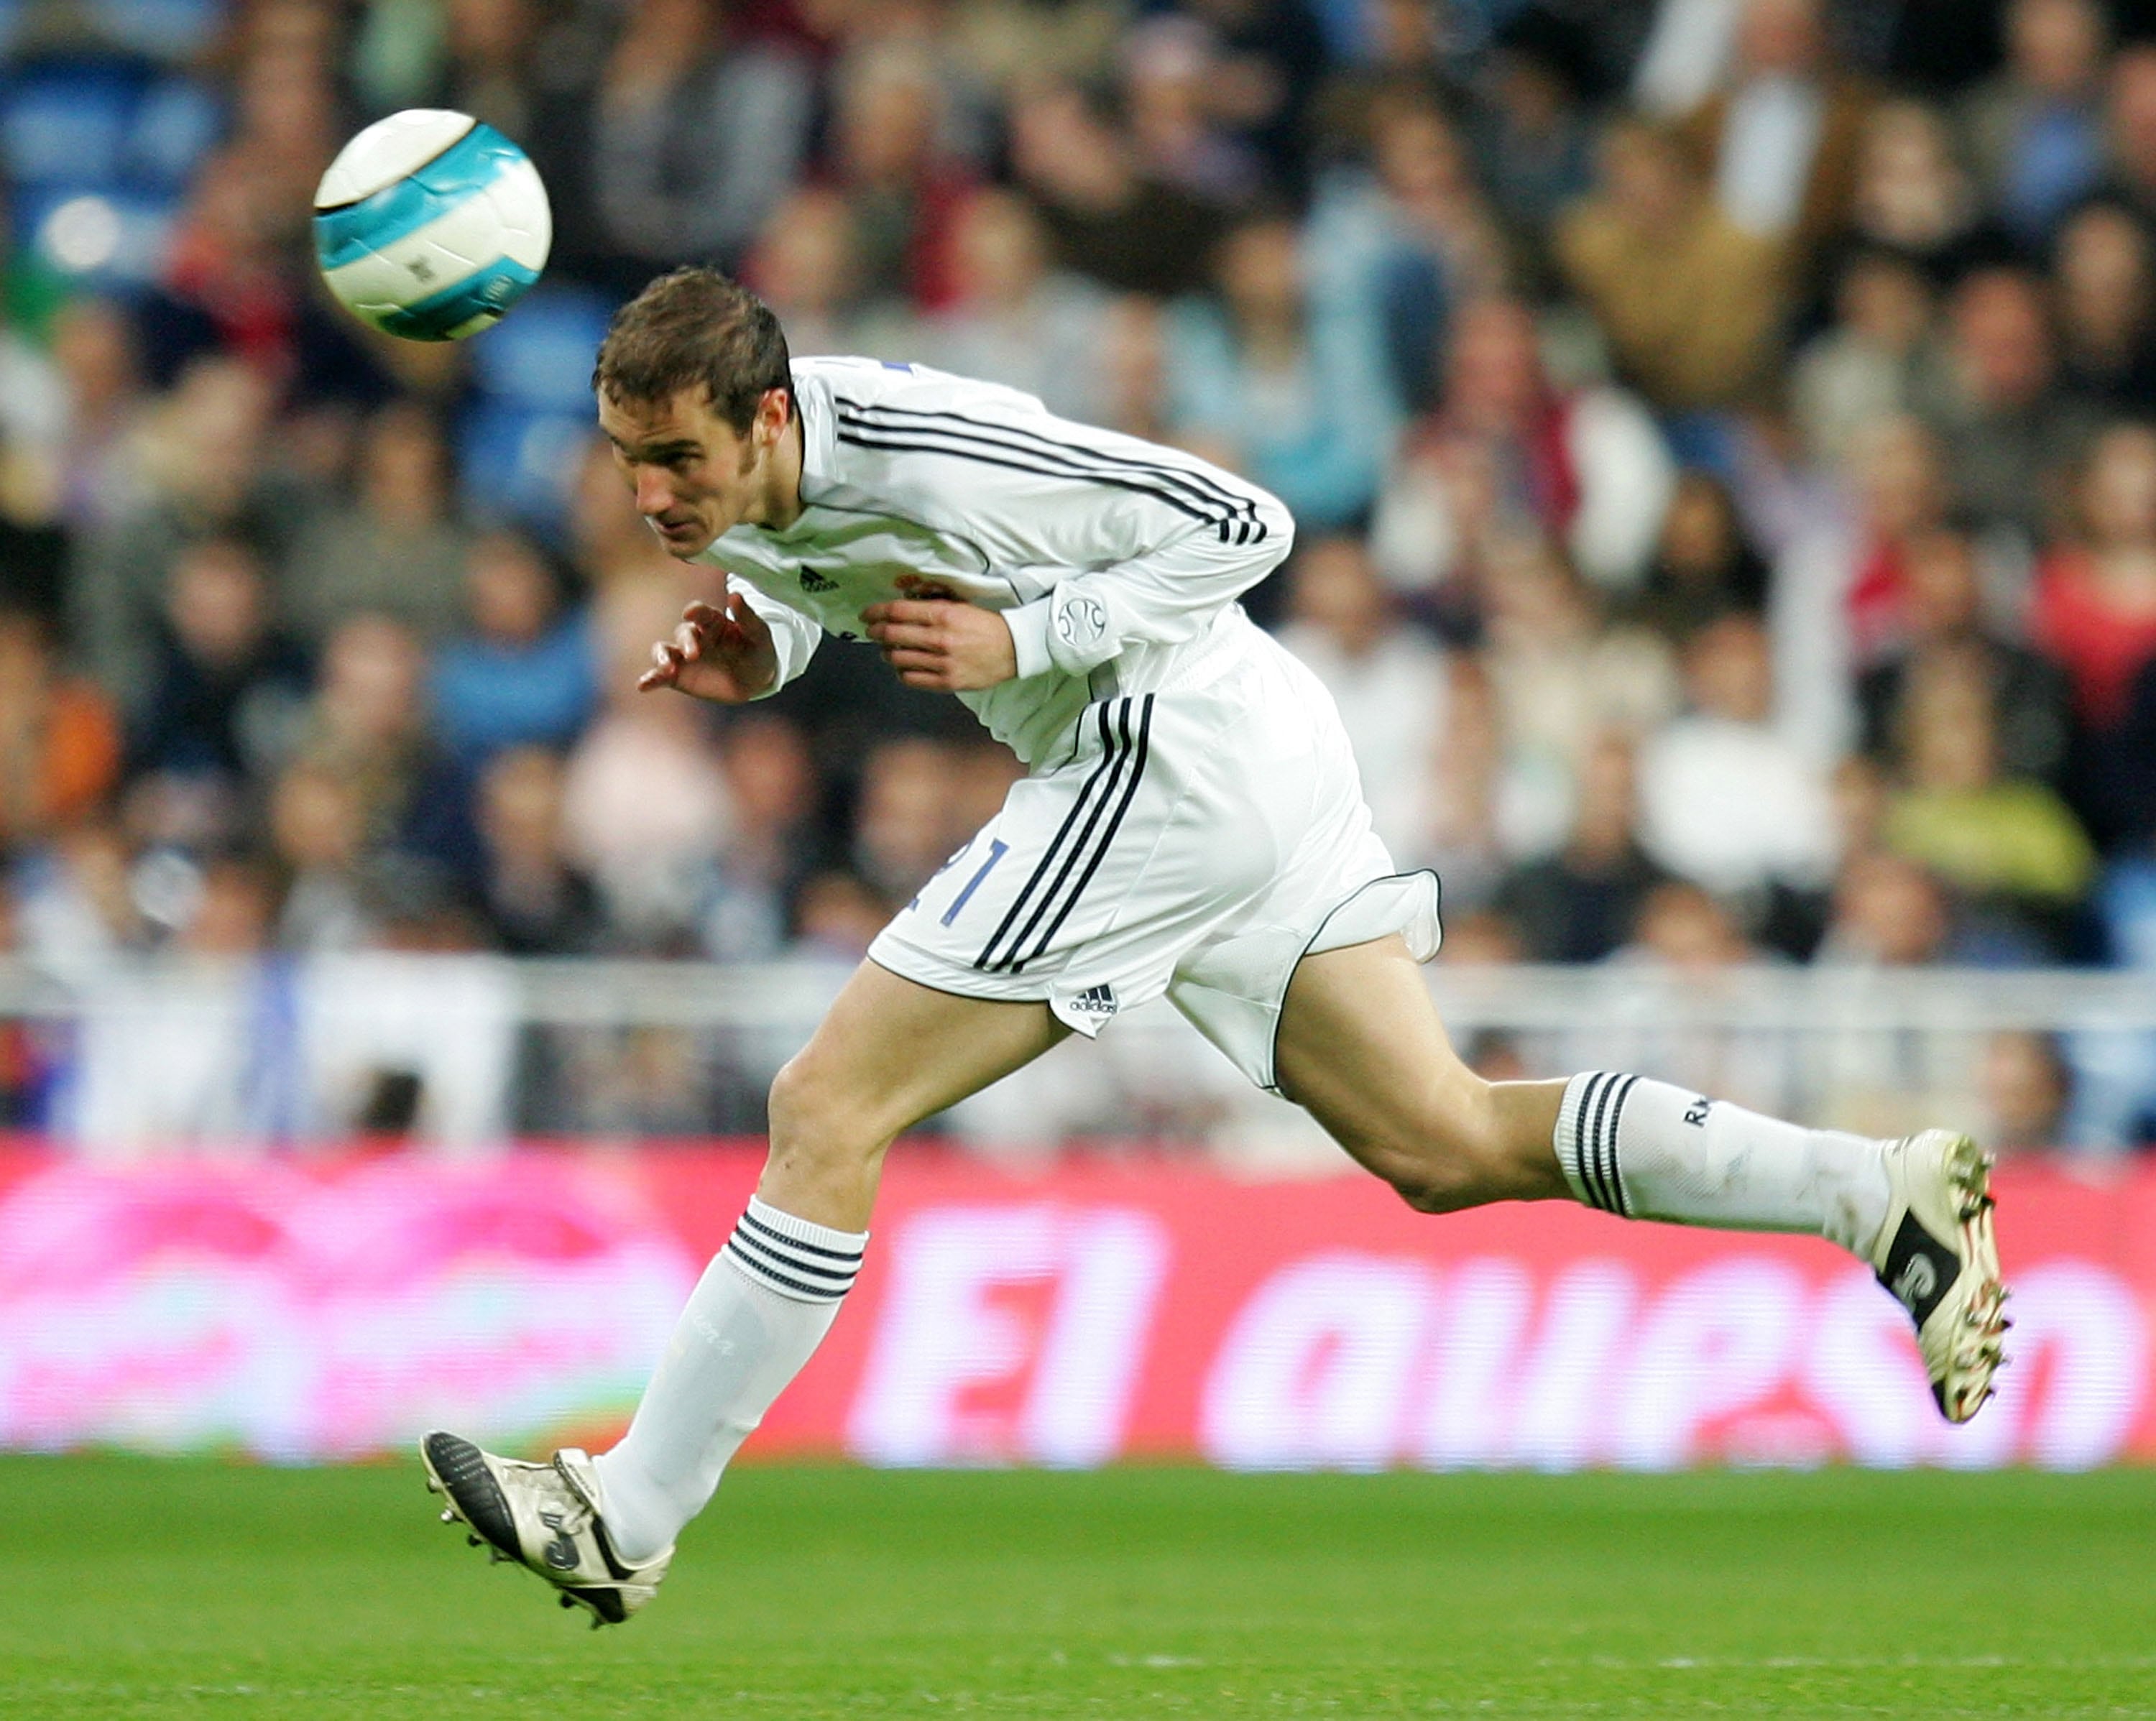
{"points": [[1135, 543], [744, 648], [1161, 594]]}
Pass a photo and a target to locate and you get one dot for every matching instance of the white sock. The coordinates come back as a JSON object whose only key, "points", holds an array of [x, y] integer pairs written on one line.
{"points": [[756, 1315], [1647, 1150]]}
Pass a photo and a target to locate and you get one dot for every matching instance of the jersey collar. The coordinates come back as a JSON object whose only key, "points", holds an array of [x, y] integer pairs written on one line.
{"points": [[818, 445]]}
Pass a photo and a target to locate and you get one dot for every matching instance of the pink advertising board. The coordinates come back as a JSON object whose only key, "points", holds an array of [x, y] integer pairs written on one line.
{"points": [[1098, 1311]]}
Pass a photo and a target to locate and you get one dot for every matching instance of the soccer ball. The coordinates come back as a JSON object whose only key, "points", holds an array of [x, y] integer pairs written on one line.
{"points": [[430, 225]]}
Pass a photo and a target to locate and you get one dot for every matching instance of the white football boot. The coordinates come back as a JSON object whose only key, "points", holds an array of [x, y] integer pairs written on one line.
{"points": [[545, 1517], [1935, 1256]]}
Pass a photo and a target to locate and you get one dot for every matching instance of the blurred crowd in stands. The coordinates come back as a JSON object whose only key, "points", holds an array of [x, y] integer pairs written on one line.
{"points": [[1723, 434]]}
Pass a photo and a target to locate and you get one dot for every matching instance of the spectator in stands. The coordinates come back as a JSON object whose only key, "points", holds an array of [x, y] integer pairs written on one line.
{"points": [[1584, 467], [836, 917], [1686, 927], [228, 699], [1836, 600], [1110, 219], [2107, 308], [695, 137], [2094, 607], [1294, 393], [1580, 904], [905, 826], [318, 833], [537, 901], [1397, 246], [888, 159], [804, 268], [1888, 912], [2130, 129], [398, 548], [1470, 829], [1132, 367], [1561, 678], [1874, 361], [2006, 844], [60, 738], [1726, 800], [1913, 200], [525, 671], [1782, 140], [2035, 129], [1389, 680], [1704, 566], [2027, 1089], [1012, 318], [1686, 55], [1533, 131], [237, 281], [369, 727], [772, 844], [1173, 81], [75, 896], [1692, 304], [1265, 61], [97, 460], [2010, 433], [202, 464], [645, 803], [1941, 617]]}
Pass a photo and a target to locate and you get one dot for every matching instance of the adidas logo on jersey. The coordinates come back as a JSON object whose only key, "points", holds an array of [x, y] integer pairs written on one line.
{"points": [[1095, 1001], [811, 580]]}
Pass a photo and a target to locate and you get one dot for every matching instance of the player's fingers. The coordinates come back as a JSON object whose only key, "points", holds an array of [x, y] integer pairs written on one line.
{"points": [[665, 667], [699, 614], [689, 641], [919, 636], [904, 613]]}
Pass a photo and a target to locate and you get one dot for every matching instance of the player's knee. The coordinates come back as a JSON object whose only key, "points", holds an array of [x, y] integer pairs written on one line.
{"points": [[812, 1117]]}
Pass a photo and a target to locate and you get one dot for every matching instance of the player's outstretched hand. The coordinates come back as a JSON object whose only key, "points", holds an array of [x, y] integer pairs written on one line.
{"points": [[942, 644], [721, 655]]}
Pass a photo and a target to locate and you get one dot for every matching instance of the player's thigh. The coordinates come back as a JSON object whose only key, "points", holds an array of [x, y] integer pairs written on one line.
{"points": [[1361, 1048], [889, 1052]]}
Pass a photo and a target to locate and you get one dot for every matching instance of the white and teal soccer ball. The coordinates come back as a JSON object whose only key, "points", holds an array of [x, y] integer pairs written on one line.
{"points": [[430, 225]]}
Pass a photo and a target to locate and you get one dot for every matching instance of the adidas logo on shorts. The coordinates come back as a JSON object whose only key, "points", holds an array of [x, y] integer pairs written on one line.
{"points": [[1095, 1001]]}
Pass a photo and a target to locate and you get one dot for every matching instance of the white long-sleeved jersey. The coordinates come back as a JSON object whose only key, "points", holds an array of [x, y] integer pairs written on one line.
{"points": [[1116, 563]]}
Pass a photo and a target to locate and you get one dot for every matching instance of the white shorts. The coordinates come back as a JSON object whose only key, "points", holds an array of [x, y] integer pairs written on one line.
{"points": [[1198, 842]]}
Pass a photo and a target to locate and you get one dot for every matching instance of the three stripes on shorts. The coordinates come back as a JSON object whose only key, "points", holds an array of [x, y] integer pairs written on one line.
{"points": [[1590, 1146], [1081, 841], [808, 1262]]}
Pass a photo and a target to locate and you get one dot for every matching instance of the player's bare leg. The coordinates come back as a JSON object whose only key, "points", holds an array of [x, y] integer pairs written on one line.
{"points": [[888, 1054], [1362, 1048]]}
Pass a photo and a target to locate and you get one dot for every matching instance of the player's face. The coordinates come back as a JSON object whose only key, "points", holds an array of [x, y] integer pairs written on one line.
{"points": [[695, 475]]}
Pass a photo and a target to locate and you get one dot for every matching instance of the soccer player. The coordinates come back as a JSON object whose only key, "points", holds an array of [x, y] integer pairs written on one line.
{"points": [[1191, 823]]}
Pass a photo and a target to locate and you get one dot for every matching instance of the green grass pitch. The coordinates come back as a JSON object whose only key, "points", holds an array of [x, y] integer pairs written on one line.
{"points": [[138, 1587]]}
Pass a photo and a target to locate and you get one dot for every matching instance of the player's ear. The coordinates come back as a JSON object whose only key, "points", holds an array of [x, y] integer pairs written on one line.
{"points": [[774, 412]]}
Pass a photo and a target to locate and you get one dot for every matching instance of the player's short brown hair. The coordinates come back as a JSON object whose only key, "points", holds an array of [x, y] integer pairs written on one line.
{"points": [[695, 326]]}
